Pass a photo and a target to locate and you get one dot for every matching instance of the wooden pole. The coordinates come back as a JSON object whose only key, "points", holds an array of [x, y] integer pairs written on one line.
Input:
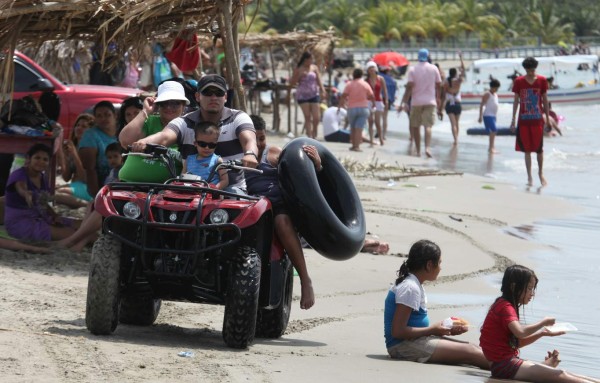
{"points": [[275, 93], [231, 55]]}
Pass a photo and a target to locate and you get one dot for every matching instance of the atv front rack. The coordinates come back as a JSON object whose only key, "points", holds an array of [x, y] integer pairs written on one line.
{"points": [[114, 224]]}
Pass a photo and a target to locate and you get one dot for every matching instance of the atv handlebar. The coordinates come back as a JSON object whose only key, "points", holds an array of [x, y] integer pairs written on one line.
{"points": [[236, 165], [161, 152]]}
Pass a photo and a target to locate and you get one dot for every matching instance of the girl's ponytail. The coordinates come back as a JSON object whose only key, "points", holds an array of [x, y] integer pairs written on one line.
{"points": [[420, 253], [402, 273]]}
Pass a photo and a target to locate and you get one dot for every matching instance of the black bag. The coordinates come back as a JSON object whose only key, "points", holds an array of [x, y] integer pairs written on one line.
{"points": [[24, 112]]}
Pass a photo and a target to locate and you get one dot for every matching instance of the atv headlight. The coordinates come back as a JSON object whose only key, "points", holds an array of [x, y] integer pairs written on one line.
{"points": [[219, 216], [131, 210]]}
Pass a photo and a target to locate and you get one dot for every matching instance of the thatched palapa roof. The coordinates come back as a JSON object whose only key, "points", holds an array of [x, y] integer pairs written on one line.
{"points": [[125, 22]]}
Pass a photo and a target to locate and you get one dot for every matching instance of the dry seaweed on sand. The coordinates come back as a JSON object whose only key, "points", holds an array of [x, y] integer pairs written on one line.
{"points": [[380, 170]]}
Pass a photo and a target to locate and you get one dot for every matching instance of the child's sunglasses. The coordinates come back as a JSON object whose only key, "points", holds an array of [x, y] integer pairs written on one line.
{"points": [[209, 92], [210, 145]]}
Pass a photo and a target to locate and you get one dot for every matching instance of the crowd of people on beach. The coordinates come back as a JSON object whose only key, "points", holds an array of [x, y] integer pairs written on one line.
{"points": [[365, 101], [199, 139]]}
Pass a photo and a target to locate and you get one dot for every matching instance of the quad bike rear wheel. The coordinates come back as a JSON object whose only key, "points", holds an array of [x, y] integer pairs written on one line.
{"points": [[102, 306], [139, 311], [241, 303], [272, 323]]}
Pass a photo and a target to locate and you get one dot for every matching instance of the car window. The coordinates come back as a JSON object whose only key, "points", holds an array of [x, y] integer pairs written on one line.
{"points": [[25, 79]]}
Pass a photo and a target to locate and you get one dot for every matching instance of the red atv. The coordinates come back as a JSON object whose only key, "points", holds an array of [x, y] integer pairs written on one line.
{"points": [[186, 241]]}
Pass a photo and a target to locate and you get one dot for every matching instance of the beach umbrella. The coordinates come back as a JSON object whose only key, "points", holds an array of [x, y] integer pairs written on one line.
{"points": [[390, 59]]}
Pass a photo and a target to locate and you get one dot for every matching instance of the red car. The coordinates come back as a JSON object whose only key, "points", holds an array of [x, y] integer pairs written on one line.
{"points": [[32, 79]]}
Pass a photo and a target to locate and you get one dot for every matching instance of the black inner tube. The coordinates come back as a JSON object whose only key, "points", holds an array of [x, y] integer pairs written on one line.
{"points": [[325, 207]]}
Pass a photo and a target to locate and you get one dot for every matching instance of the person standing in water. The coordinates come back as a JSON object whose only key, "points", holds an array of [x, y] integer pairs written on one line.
{"points": [[488, 108], [531, 101], [451, 97]]}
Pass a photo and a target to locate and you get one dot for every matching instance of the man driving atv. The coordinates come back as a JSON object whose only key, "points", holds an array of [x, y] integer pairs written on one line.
{"points": [[237, 140]]}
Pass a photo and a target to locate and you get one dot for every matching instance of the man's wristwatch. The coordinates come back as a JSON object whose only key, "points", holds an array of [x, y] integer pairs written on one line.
{"points": [[247, 152]]}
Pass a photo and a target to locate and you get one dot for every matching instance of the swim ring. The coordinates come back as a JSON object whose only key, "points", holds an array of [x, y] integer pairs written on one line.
{"points": [[324, 206]]}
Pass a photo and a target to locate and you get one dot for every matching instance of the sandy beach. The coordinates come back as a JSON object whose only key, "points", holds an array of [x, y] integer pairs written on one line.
{"points": [[42, 299]]}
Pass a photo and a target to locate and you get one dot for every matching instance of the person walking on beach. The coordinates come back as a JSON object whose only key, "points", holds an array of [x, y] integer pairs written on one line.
{"points": [[378, 107], [503, 334], [309, 92], [423, 88], [391, 87], [451, 97], [488, 108], [357, 97], [408, 333], [531, 101]]}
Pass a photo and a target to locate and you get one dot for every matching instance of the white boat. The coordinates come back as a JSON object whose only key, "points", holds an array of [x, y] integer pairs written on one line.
{"points": [[575, 79]]}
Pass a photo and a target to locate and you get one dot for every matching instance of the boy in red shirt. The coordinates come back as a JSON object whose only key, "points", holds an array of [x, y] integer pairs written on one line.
{"points": [[531, 100]]}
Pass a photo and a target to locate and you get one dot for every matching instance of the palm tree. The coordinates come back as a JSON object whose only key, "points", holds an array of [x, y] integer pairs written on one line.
{"points": [[475, 16], [412, 18], [288, 15], [584, 20], [549, 28], [510, 15], [345, 19], [382, 22]]}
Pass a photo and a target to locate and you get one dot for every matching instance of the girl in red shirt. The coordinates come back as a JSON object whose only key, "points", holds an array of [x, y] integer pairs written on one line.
{"points": [[502, 335]]}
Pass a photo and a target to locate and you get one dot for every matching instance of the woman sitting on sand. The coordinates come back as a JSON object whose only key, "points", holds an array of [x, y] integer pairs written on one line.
{"points": [[27, 213], [408, 333]]}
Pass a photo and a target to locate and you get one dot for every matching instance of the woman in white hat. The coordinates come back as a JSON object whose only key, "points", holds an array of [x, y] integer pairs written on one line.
{"points": [[377, 83], [170, 101]]}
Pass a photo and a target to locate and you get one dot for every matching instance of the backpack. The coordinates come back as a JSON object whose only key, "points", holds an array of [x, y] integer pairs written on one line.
{"points": [[162, 69], [23, 112]]}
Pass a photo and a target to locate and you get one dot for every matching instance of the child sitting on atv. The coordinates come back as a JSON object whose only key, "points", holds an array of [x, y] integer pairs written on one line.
{"points": [[207, 135], [267, 184]]}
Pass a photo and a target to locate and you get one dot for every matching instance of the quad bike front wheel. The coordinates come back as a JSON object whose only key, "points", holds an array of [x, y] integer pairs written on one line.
{"points": [[272, 323], [102, 306], [139, 311], [241, 303]]}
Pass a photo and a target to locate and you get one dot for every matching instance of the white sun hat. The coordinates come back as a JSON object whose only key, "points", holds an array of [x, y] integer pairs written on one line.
{"points": [[171, 90], [371, 64]]}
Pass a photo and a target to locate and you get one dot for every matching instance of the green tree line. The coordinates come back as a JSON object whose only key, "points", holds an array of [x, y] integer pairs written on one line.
{"points": [[375, 23]]}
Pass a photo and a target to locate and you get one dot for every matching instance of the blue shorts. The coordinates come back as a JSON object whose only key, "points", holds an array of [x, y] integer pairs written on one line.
{"points": [[490, 124], [358, 117], [79, 190]]}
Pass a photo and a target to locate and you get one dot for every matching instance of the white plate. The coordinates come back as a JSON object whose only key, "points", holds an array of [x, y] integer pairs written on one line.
{"points": [[561, 327]]}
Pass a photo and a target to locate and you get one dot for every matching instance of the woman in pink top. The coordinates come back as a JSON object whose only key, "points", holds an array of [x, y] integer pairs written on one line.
{"points": [[309, 92], [357, 97]]}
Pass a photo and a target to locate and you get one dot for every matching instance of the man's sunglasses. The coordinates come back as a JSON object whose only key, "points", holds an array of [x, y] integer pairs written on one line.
{"points": [[202, 144], [170, 104], [209, 92]]}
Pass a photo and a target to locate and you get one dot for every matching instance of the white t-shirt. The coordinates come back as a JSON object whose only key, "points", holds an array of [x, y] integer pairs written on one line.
{"points": [[411, 293], [333, 120], [491, 106]]}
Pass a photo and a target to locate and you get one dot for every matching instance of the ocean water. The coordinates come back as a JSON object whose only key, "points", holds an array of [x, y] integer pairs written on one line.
{"points": [[569, 272]]}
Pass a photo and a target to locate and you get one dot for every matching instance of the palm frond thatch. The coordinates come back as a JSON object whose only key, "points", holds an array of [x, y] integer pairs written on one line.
{"points": [[127, 23]]}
